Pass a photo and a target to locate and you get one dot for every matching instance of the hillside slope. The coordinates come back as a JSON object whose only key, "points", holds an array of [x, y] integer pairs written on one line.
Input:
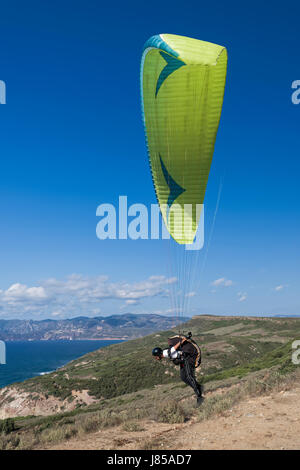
{"points": [[265, 422], [231, 346], [122, 388]]}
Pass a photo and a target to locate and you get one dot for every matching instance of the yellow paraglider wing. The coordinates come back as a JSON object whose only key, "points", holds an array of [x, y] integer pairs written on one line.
{"points": [[182, 84]]}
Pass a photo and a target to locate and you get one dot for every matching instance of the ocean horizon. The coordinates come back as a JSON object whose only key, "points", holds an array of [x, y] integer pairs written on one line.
{"points": [[27, 359]]}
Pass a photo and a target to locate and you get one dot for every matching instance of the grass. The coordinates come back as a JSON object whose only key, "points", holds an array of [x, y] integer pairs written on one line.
{"points": [[280, 357], [269, 381], [40, 432], [130, 426]]}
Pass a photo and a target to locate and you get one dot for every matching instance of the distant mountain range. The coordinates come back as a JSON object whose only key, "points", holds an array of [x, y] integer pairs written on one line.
{"points": [[126, 326]]}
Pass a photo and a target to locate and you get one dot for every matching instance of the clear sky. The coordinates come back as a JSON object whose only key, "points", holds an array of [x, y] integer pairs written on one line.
{"points": [[72, 138]]}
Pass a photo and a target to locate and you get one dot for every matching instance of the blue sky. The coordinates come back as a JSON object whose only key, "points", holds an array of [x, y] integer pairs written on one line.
{"points": [[72, 138]]}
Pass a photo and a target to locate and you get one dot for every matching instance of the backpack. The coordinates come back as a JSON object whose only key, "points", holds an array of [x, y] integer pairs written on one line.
{"points": [[190, 348]]}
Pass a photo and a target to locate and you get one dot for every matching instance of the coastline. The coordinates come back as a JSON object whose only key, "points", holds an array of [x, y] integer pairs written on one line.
{"points": [[28, 359]]}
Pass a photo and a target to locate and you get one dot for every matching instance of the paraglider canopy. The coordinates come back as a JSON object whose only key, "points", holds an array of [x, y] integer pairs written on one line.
{"points": [[182, 85]]}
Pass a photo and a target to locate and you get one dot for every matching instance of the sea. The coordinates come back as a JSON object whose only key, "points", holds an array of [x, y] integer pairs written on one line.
{"points": [[26, 359]]}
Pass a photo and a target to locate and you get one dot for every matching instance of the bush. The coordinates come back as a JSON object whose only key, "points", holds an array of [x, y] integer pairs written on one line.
{"points": [[149, 444], [132, 427], [7, 426], [170, 412], [90, 424], [9, 443]]}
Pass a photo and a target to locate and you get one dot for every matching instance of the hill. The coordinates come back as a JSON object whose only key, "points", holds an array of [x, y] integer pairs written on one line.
{"points": [[122, 386]]}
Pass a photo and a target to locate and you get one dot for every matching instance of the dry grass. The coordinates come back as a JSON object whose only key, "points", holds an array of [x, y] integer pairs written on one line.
{"points": [[149, 444], [132, 426], [271, 381], [169, 404], [171, 412]]}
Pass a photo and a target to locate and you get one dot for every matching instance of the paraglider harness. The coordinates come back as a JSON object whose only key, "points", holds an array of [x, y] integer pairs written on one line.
{"points": [[189, 349]]}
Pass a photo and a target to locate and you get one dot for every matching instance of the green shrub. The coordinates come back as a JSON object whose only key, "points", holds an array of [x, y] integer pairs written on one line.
{"points": [[7, 426]]}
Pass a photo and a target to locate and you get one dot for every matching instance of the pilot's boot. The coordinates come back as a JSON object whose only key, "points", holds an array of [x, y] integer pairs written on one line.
{"points": [[200, 398]]}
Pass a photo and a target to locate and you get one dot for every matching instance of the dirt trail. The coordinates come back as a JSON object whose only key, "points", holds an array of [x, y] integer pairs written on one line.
{"points": [[265, 422]]}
